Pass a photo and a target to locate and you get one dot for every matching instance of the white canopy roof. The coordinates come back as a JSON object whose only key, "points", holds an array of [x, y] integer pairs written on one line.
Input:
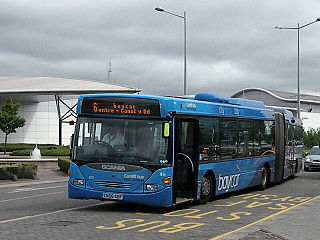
{"points": [[38, 89]]}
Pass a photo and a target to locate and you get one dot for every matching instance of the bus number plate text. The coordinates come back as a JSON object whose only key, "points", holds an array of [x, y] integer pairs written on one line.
{"points": [[112, 196]]}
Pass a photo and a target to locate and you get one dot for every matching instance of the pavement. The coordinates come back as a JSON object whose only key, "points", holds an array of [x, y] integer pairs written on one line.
{"points": [[8, 157], [43, 176], [300, 222]]}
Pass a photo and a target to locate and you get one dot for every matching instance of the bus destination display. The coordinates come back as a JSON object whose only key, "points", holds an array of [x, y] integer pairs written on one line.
{"points": [[121, 106]]}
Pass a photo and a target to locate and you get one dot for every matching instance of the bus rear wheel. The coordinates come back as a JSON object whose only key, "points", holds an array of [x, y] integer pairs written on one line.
{"points": [[264, 178], [206, 189]]}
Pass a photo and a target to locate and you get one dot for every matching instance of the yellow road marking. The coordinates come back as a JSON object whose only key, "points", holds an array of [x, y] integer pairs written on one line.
{"points": [[184, 200], [263, 219]]}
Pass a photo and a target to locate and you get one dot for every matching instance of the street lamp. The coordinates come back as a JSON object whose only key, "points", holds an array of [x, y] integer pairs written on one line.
{"points": [[298, 73], [184, 17]]}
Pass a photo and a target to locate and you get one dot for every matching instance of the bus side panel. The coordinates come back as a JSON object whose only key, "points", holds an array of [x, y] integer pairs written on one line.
{"points": [[279, 144], [237, 174]]}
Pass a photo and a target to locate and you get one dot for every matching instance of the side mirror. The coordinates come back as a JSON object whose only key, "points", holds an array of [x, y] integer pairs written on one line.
{"points": [[166, 130], [71, 144]]}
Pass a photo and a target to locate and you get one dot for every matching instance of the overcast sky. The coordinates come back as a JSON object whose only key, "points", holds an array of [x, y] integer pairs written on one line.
{"points": [[231, 44]]}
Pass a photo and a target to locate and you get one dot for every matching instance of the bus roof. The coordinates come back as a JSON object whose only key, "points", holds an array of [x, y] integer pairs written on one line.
{"points": [[200, 104]]}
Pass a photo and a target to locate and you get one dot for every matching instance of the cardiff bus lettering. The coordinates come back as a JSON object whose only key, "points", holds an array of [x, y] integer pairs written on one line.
{"points": [[227, 182]]}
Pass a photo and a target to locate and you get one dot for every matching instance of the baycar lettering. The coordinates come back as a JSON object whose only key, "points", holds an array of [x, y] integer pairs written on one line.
{"points": [[113, 167], [227, 182]]}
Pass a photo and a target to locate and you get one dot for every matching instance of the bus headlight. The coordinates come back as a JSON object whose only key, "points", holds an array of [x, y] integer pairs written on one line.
{"points": [[77, 181], [152, 187]]}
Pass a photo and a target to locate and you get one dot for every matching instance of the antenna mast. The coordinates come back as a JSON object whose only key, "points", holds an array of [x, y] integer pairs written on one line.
{"points": [[109, 70]]}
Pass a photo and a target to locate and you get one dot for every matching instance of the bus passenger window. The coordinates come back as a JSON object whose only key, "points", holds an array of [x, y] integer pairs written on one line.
{"points": [[187, 138], [209, 146], [267, 137], [246, 139], [243, 144], [257, 124], [229, 139]]}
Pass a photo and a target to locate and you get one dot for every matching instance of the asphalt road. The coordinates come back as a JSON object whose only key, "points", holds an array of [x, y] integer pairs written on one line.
{"points": [[43, 211]]}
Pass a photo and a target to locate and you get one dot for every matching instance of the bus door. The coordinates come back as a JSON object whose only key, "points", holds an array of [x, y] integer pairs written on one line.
{"points": [[280, 146], [185, 160], [290, 145], [291, 161]]}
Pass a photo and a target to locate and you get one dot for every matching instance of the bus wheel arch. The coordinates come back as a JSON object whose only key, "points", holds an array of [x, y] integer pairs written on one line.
{"points": [[208, 186]]}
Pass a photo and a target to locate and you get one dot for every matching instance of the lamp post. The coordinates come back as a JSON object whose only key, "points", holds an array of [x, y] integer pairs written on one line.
{"points": [[184, 17], [298, 63]]}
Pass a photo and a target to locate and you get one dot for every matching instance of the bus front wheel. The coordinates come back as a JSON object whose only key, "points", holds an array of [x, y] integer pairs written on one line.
{"points": [[206, 188]]}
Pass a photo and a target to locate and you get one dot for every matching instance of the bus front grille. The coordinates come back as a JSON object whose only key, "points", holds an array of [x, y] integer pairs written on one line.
{"points": [[112, 184]]}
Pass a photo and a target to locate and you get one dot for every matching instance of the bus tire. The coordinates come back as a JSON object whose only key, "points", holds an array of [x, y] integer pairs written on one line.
{"points": [[206, 191], [264, 178]]}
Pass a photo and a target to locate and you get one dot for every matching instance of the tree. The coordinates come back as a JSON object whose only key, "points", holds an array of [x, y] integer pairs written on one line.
{"points": [[311, 138], [9, 119]]}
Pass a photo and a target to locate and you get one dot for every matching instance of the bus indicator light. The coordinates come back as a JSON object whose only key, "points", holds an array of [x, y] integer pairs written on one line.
{"points": [[166, 180]]}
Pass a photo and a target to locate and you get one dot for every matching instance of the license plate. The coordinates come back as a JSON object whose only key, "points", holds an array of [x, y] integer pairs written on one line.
{"points": [[112, 196]]}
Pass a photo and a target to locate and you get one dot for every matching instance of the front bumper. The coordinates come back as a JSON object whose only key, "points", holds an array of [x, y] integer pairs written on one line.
{"points": [[312, 165], [161, 198]]}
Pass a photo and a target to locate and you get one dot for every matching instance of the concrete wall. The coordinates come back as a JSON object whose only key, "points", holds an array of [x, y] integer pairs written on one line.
{"points": [[267, 99], [42, 124], [309, 120]]}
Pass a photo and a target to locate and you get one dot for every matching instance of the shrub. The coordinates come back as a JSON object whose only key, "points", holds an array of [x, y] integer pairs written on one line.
{"points": [[304, 152], [15, 146], [19, 146], [18, 170], [61, 151], [64, 164], [49, 151], [22, 152]]}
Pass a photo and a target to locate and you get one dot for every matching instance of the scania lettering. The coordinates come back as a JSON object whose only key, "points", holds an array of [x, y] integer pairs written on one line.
{"points": [[113, 167], [162, 151]]}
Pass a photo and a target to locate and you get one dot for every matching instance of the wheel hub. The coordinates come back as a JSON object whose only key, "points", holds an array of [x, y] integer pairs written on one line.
{"points": [[205, 186], [264, 176]]}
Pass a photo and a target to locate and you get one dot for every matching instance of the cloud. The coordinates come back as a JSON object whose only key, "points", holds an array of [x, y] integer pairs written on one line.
{"points": [[231, 44]]}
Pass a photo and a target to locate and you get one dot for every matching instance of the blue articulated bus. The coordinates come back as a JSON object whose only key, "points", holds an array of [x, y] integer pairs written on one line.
{"points": [[162, 151]]}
